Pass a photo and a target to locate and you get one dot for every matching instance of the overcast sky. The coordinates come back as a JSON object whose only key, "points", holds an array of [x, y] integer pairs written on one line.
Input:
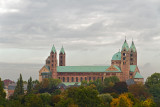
{"points": [[91, 31]]}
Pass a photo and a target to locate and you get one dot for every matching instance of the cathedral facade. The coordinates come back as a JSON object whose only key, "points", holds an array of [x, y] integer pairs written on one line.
{"points": [[123, 65]]}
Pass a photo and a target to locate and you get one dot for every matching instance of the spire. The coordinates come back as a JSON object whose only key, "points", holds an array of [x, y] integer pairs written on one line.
{"points": [[133, 47], [53, 49], [125, 45], [62, 50]]}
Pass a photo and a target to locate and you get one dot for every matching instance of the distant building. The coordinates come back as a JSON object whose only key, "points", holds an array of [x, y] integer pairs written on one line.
{"points": [[7, 82], [11, 88], [123, 65]]}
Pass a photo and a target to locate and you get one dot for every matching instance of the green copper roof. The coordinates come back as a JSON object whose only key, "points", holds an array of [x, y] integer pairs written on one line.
{"points": [[125, 45], [71, 83], [47, 67], [62, 50], [133, 47], [53, 49], [85, 69], [138, 75], [46, 73], [117, 56], [132, 68]]}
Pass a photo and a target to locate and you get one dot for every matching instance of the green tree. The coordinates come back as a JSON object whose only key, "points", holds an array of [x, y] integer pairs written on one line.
{"points": [[120, 87], [48, 85], [33, 100], [84, 96], [153, 84], [2, 93], [99, 85], [106, 99], [110, 81], [19, 90], [29, 86], [46, 99], [153, 79]]}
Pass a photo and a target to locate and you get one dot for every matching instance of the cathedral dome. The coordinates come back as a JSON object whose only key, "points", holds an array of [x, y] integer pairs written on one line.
{"points": [[117, 56]]}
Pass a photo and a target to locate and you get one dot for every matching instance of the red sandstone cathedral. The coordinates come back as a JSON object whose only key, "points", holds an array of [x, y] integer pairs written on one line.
{"points": [[123, 65]]}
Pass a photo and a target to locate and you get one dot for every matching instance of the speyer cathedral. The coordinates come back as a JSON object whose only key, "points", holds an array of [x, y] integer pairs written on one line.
{"points": [[123, 65]]}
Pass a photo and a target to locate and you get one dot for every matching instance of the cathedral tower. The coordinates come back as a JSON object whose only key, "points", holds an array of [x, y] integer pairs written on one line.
{"points": [[53, 62], [62, 56], [133, 54], [125, 61]]}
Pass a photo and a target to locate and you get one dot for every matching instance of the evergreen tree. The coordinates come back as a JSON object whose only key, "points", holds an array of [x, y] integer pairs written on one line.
{"points": [[21, 85], [29, 86], [19, 90], [2, 93]]}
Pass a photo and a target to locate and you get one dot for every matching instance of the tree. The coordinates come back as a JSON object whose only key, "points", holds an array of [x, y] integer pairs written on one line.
{"points": [[99, 85], [122, 101], [29, 86], [46, 99], [33, 100], [153, 84], [48, 85], [153, 79], [106, 99], [2, 93], [120, 87], [19, 90], [83, 96], [148, 103], [110, 81], [139, 91]]}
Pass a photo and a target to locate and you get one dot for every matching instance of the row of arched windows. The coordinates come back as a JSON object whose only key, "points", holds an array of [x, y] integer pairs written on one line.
{"points": [[77, 79]]}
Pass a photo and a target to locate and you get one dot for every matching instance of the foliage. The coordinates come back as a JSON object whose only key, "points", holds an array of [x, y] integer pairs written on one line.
{"points": [[122, 101], [2, 93], [148, 103], [139, 91], [45, 98], [110, 81], [55, 99], [153, 84], [29, 86], [105, 98], [19, 90], [120, 87], [48, 85], [33, 100], [153, 79], [84, 96]]}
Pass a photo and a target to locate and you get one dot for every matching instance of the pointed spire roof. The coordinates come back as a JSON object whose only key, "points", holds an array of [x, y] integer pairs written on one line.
{"points": [[125, 45], [53, 49], [133, 47], [62, 50]]}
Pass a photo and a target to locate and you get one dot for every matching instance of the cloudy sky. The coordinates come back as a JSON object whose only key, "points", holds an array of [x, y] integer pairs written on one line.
{"points": [[91, 31]]}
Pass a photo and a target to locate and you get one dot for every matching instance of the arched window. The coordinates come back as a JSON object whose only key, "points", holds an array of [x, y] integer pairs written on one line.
{"points": [[124, 54], [63, 79], [86, 78], [81, 79], [72, 79], [76, 79], [67, 79], [89, 78], [94, 78]]}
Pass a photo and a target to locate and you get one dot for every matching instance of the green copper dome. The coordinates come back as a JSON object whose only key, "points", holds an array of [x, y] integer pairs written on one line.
{"points": [[117, 56], [125, 46], [62, 50], [53, 49], [133, 47]]}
